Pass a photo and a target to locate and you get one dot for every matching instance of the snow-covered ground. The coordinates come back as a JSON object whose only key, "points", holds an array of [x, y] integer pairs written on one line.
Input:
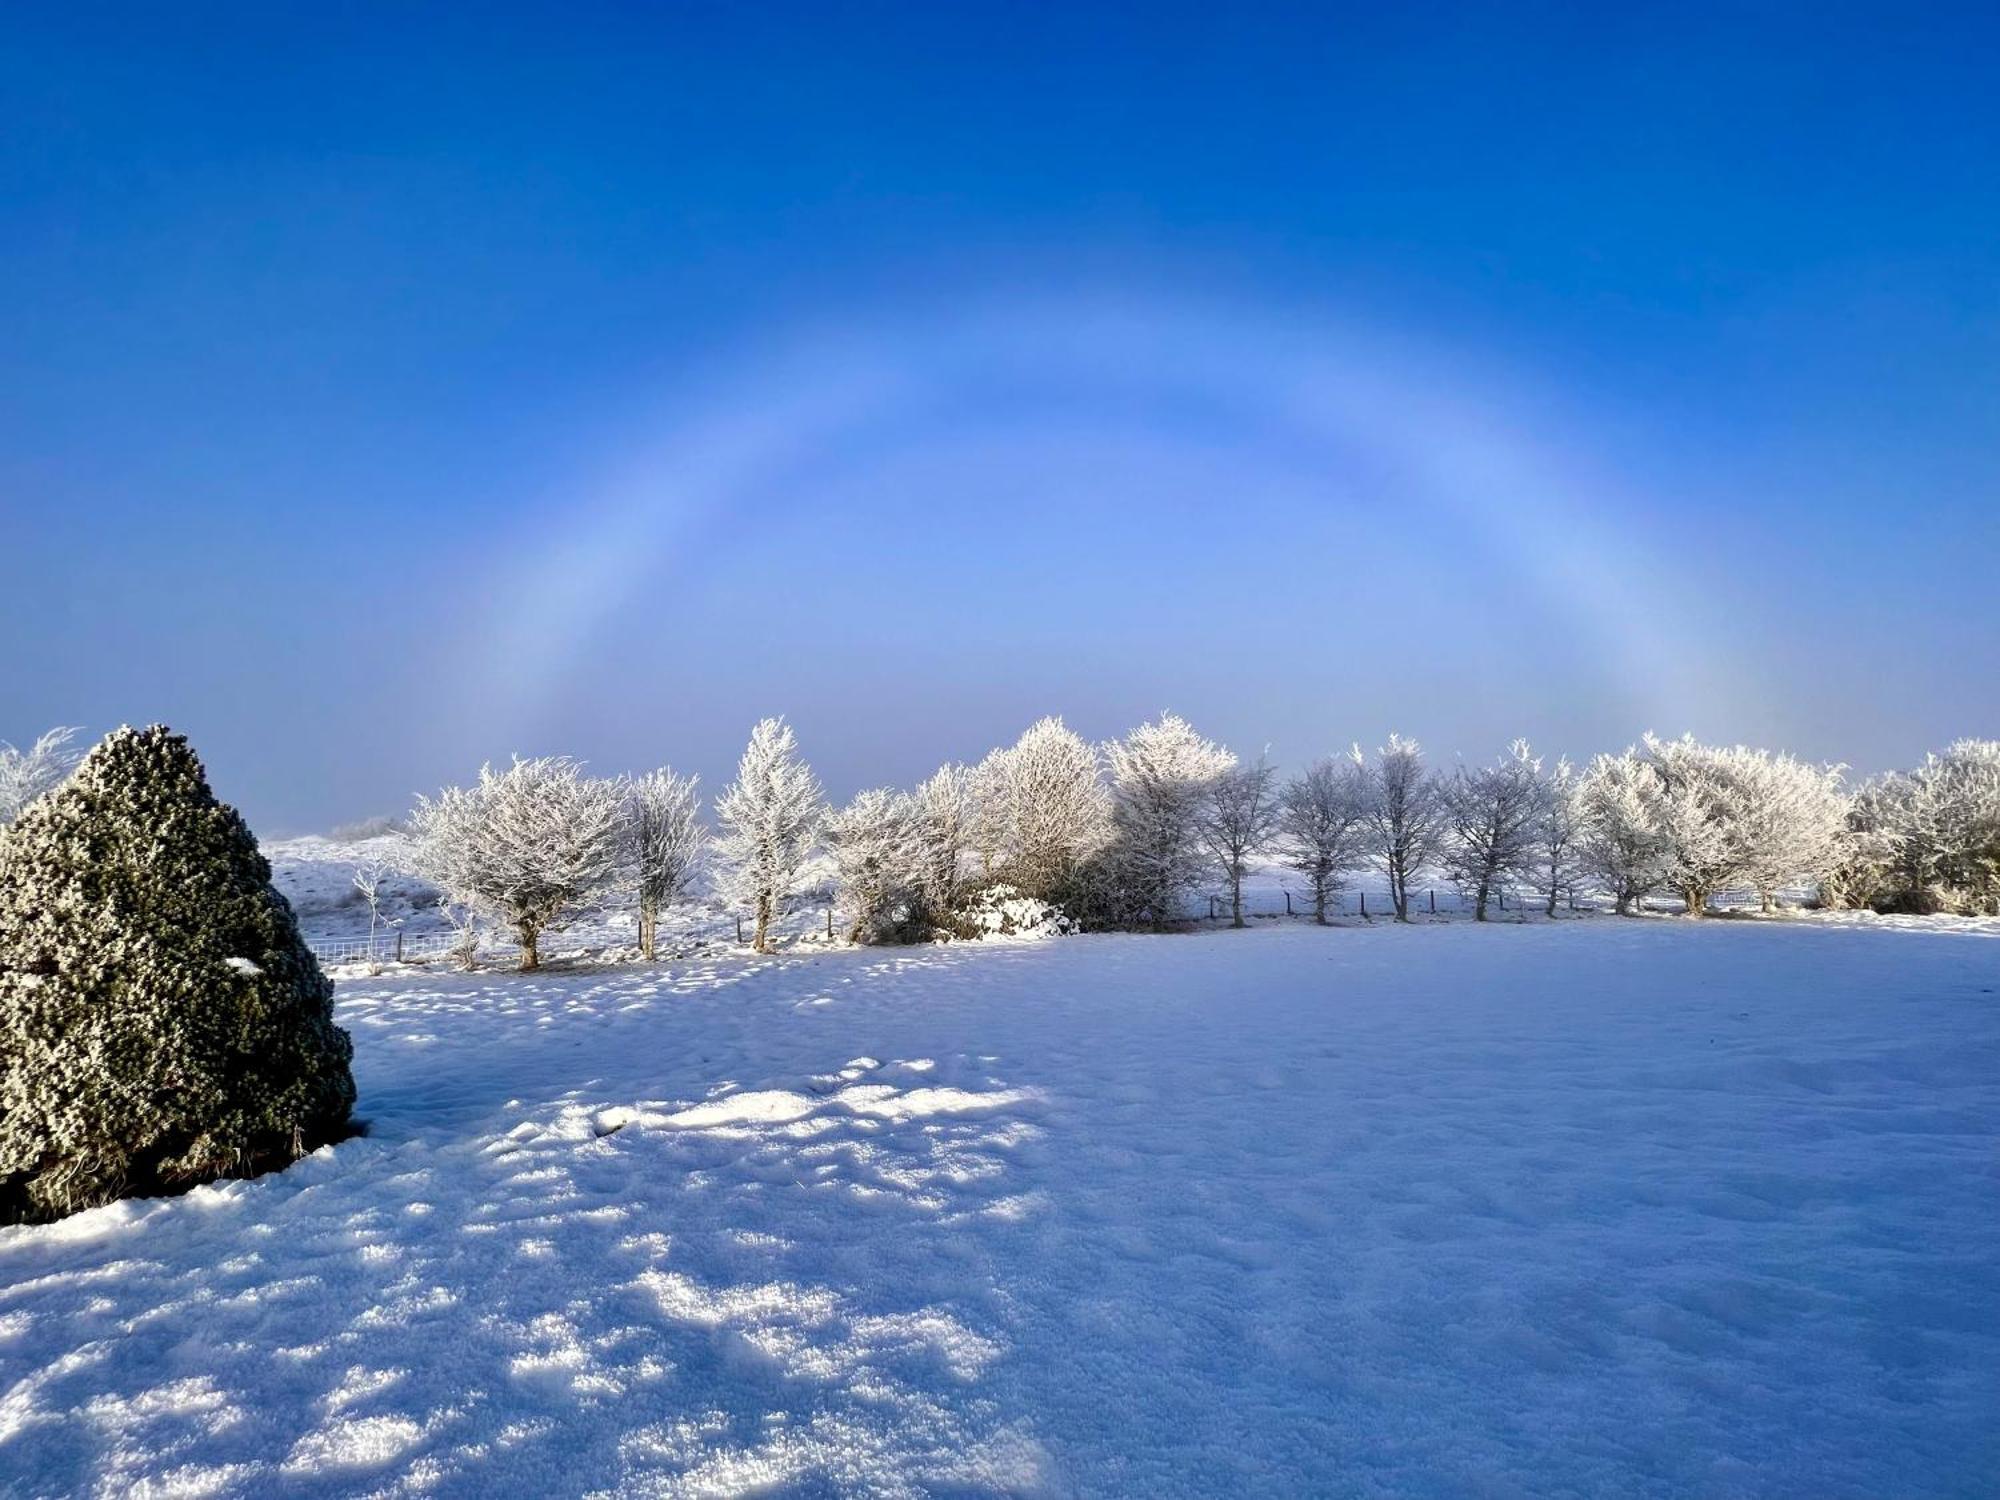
{"points": [[1585, 1208]]}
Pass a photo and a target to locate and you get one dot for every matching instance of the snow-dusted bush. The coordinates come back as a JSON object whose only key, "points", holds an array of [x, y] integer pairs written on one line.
{"points": [[1005, 911], [161, 1021], [1320, 825], [1241, 817], [664, 840], [1404, 817], [1619, 842], [1492, 819], [770, 816], [39, 769], [1055, 810], [879, 867], [531, 846], [1163, 776]]}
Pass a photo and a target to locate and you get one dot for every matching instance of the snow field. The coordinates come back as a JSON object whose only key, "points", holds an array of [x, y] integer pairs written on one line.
{"points": [[1586, 1208]]}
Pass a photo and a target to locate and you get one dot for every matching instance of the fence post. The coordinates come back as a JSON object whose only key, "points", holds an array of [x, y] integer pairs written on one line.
{"points": [[829, 921], [1364, 903], [1434, 902], [1288, 903], [399, 945], [739, 929]]}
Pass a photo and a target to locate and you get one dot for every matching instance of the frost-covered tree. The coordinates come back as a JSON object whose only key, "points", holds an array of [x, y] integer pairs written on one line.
{"points": [[1928, 840], [1404, 818], [878, 864], [664, 840], [1558, 852], [1163, 776], [946, 809], [28, 774], [1861, 874], [1321, 816], [1492, 816], [1699, 797], [531, 846], [1619, 842], [1794, 821], [770, 816], [992, 818], [1242, 816], [464, 922], [368, 877], [161, 1020], [1955, 823], [1055, 808]]}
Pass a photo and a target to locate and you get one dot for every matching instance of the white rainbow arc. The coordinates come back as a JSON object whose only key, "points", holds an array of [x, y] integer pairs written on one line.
{"points": [[1450, 430]]}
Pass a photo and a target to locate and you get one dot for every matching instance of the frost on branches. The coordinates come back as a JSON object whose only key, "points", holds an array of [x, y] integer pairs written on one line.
{"points": [[948, 817], [161, 1020], [35, 771], [1698, 819], [1403, 818], [1242, 814], [1492, 822], [879, 866], [531, 846], [1557, 858], [1927, 840], [770, 816], [1618, 842], [1051, 812], [1320, 825], [1163, 777], [664, 844]]}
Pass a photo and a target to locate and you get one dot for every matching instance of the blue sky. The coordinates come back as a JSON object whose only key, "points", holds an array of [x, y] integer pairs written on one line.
{"points": [[388, 393]]}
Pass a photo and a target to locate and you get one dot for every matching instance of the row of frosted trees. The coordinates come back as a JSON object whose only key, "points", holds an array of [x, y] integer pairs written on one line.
{"points": [[1124, 834]]}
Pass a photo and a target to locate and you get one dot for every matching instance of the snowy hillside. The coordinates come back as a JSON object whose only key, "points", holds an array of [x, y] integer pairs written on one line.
{"points": [[1636, 1208]]}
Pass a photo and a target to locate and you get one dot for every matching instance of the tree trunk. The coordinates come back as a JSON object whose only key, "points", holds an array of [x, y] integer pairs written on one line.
{"points": [[762, 941], [1235, 900], [1695, 900], [649, 928], [1622, 905], [1764, 902], [531, 953], [1319, 903], [1479, 900], [1551, 911]]}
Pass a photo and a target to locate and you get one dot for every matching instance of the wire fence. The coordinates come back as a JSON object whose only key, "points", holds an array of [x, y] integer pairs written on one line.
{"points": [[814, 917], [1430, 901], [391, 947], [1448, 901]]}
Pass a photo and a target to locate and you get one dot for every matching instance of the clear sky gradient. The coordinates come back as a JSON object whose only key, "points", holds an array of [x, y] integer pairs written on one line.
{"points": [[386, 392]]}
